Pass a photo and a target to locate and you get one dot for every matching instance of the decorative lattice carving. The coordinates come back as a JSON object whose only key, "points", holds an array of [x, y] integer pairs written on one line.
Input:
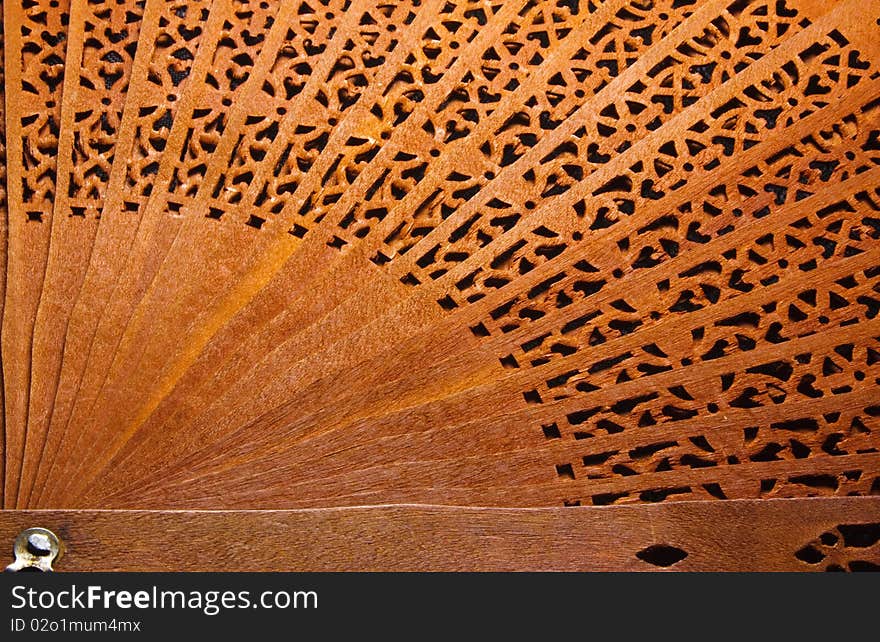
{"points": [[172, 53], [288, 141], [35, 39], [846, 547], [477, 253], [104, 43], [39, 67]]}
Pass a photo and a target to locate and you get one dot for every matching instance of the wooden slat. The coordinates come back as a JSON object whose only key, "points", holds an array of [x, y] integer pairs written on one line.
{"points": [[716, 536]]}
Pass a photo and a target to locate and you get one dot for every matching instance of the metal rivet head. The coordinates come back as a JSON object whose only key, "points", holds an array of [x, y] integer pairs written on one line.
{"points": [[35, 549]]}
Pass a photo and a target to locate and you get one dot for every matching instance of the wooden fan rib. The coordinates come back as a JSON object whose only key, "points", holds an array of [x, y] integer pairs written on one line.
{"points": [[35, 40], [4, 229], [521, 456], [359, 349], [774, 372], [458, 482], [165, 26], [474, 407], [664, 332], [223, 48], [354, 262], [393, 461], [178, 316], [714, 536], [391, 18], [488, 406], [801, 430], [100, 56], [789, 478], [290, 285]]}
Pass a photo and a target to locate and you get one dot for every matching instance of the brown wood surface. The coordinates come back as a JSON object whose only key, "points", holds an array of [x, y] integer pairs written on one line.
{"points": [[715, 536], [443, 285], [34, 48], [99, 60], [391, 362], [4, 230]]}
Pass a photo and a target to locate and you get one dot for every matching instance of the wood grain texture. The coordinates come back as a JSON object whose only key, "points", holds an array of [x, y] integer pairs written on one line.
{"points": [[35, 38], [4, 231], [444, 284], [689, 536], [391, 362], [98, 64]]}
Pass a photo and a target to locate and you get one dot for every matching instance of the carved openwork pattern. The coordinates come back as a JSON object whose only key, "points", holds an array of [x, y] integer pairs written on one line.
{"points": [[737, 254], [466, 122], [752, 276], [172, 53], [44, 38], [675, 83], [795, 90], [439, 48], [749, 264], [110, 39], [288, 139], [760, 322], [834, 453], [846, 547], [490, 75], [239, 44]]}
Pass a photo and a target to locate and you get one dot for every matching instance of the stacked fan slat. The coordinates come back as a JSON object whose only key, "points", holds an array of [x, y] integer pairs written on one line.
{"points": [[264, 254]]}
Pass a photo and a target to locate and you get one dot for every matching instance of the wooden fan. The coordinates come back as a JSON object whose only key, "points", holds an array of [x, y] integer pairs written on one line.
{"points": [[551, 271]]}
